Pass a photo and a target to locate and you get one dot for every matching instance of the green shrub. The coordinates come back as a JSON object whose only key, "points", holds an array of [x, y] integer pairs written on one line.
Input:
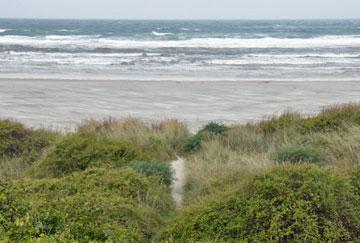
{"points": [[285, 121], [330, 119], [12, 135], [118, 205], [18, 223], [289, 204], [161, 170], [17, 140], [214, 128], [77, 152], [193, 143], [333, 118], [355, 179], [298, 154]]}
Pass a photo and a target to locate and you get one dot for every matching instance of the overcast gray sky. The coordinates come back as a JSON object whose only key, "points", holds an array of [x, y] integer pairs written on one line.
{"points": [[180, 9]]}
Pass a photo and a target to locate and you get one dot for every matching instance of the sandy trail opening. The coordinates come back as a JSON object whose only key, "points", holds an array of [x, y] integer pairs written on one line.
{"points": [[178, 167]]}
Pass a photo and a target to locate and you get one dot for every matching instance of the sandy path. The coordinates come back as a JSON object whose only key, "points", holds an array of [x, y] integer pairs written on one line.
{"points": [[178, 180]]}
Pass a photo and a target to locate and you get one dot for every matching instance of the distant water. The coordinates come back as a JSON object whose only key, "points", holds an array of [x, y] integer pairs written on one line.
{"points": [[177, 50]]}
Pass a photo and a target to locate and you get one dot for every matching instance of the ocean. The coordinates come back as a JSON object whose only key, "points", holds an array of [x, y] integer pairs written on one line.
{"points": [[255, 50]]}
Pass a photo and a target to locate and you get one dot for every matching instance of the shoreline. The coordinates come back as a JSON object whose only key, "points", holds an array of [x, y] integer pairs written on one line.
{"points": [[190, 80]]}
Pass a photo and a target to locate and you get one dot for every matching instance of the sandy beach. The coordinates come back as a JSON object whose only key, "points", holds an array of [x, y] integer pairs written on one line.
{"points": [[61, 104]]}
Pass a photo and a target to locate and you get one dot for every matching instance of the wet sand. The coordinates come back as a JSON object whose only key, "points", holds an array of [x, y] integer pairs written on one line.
{"points": [[61, 104]]}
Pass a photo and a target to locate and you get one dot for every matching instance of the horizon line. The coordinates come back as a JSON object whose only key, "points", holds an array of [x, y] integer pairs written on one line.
{"points": [[176, 19]]}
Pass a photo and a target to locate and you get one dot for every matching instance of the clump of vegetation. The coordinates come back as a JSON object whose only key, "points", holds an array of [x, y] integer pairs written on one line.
{"points": [[20, 147], [161, 140], [330, 119], [298, 154], [355, 178], [109, 181], [118, 205], [16, 140], [194, 143], [162, 170], [292, 203], [79, 151]]}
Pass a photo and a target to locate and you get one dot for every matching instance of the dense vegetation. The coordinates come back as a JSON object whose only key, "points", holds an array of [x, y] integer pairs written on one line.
{"points": [[285, 179], [107, 181]]}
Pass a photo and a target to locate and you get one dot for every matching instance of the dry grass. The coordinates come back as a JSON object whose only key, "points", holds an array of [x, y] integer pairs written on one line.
{"points": [[163, 138], [245, 150]]}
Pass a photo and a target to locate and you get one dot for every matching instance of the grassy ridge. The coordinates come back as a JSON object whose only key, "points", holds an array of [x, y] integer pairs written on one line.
{"points": [[287, 178], [108, 181]]}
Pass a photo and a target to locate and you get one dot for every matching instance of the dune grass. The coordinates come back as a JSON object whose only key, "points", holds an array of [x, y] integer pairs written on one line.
{"points": [[286, 178], [289, 138], [107, 181]]}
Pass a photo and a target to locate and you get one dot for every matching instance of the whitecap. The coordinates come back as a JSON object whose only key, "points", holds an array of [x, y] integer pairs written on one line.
{"points": [[160, 34], [4, 30], [93, 42]]}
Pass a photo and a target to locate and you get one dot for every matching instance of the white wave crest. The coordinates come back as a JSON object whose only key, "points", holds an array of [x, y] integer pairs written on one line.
{"points": [[4, 30], [93, 42], [160, 34]]}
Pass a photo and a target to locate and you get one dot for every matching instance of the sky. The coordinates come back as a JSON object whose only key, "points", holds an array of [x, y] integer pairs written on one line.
{"points": [[180, 9]]}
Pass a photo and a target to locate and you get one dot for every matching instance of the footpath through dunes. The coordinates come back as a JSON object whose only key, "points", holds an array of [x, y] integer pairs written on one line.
{"points": [[178, 167], [290, 178]]}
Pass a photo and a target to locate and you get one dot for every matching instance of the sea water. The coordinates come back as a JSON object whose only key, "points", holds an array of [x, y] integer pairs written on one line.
{"points": [[180, 50]]}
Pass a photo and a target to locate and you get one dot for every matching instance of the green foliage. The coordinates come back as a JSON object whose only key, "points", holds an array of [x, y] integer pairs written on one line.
{"points": [[333, 118], [162, 170], [355, 179], [214, 128], [285, 121], [118, 205], [16, 140], [330, 119], [79, 151], [298, 154], [194, 143], [293, 203], [12, 135]]}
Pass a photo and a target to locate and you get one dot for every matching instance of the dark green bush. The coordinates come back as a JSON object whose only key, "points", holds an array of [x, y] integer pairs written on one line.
{"points": [[193, 143], [289, 204], [77, 152], [298, 154], [161, 170], [214, 128]]}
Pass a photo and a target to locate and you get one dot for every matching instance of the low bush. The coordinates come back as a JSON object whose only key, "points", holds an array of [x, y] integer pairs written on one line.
{"points": [[193, 143], [161, 140], [16, 140], [333, 118], [285, 121], [120, 205], [298, 154], [79, 151], [330, 119], [288, 204], [355, 179], [162, 170]]}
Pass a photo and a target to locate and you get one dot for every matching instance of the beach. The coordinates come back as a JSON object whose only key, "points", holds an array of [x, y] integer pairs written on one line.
{"points": [[63, 104]]}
